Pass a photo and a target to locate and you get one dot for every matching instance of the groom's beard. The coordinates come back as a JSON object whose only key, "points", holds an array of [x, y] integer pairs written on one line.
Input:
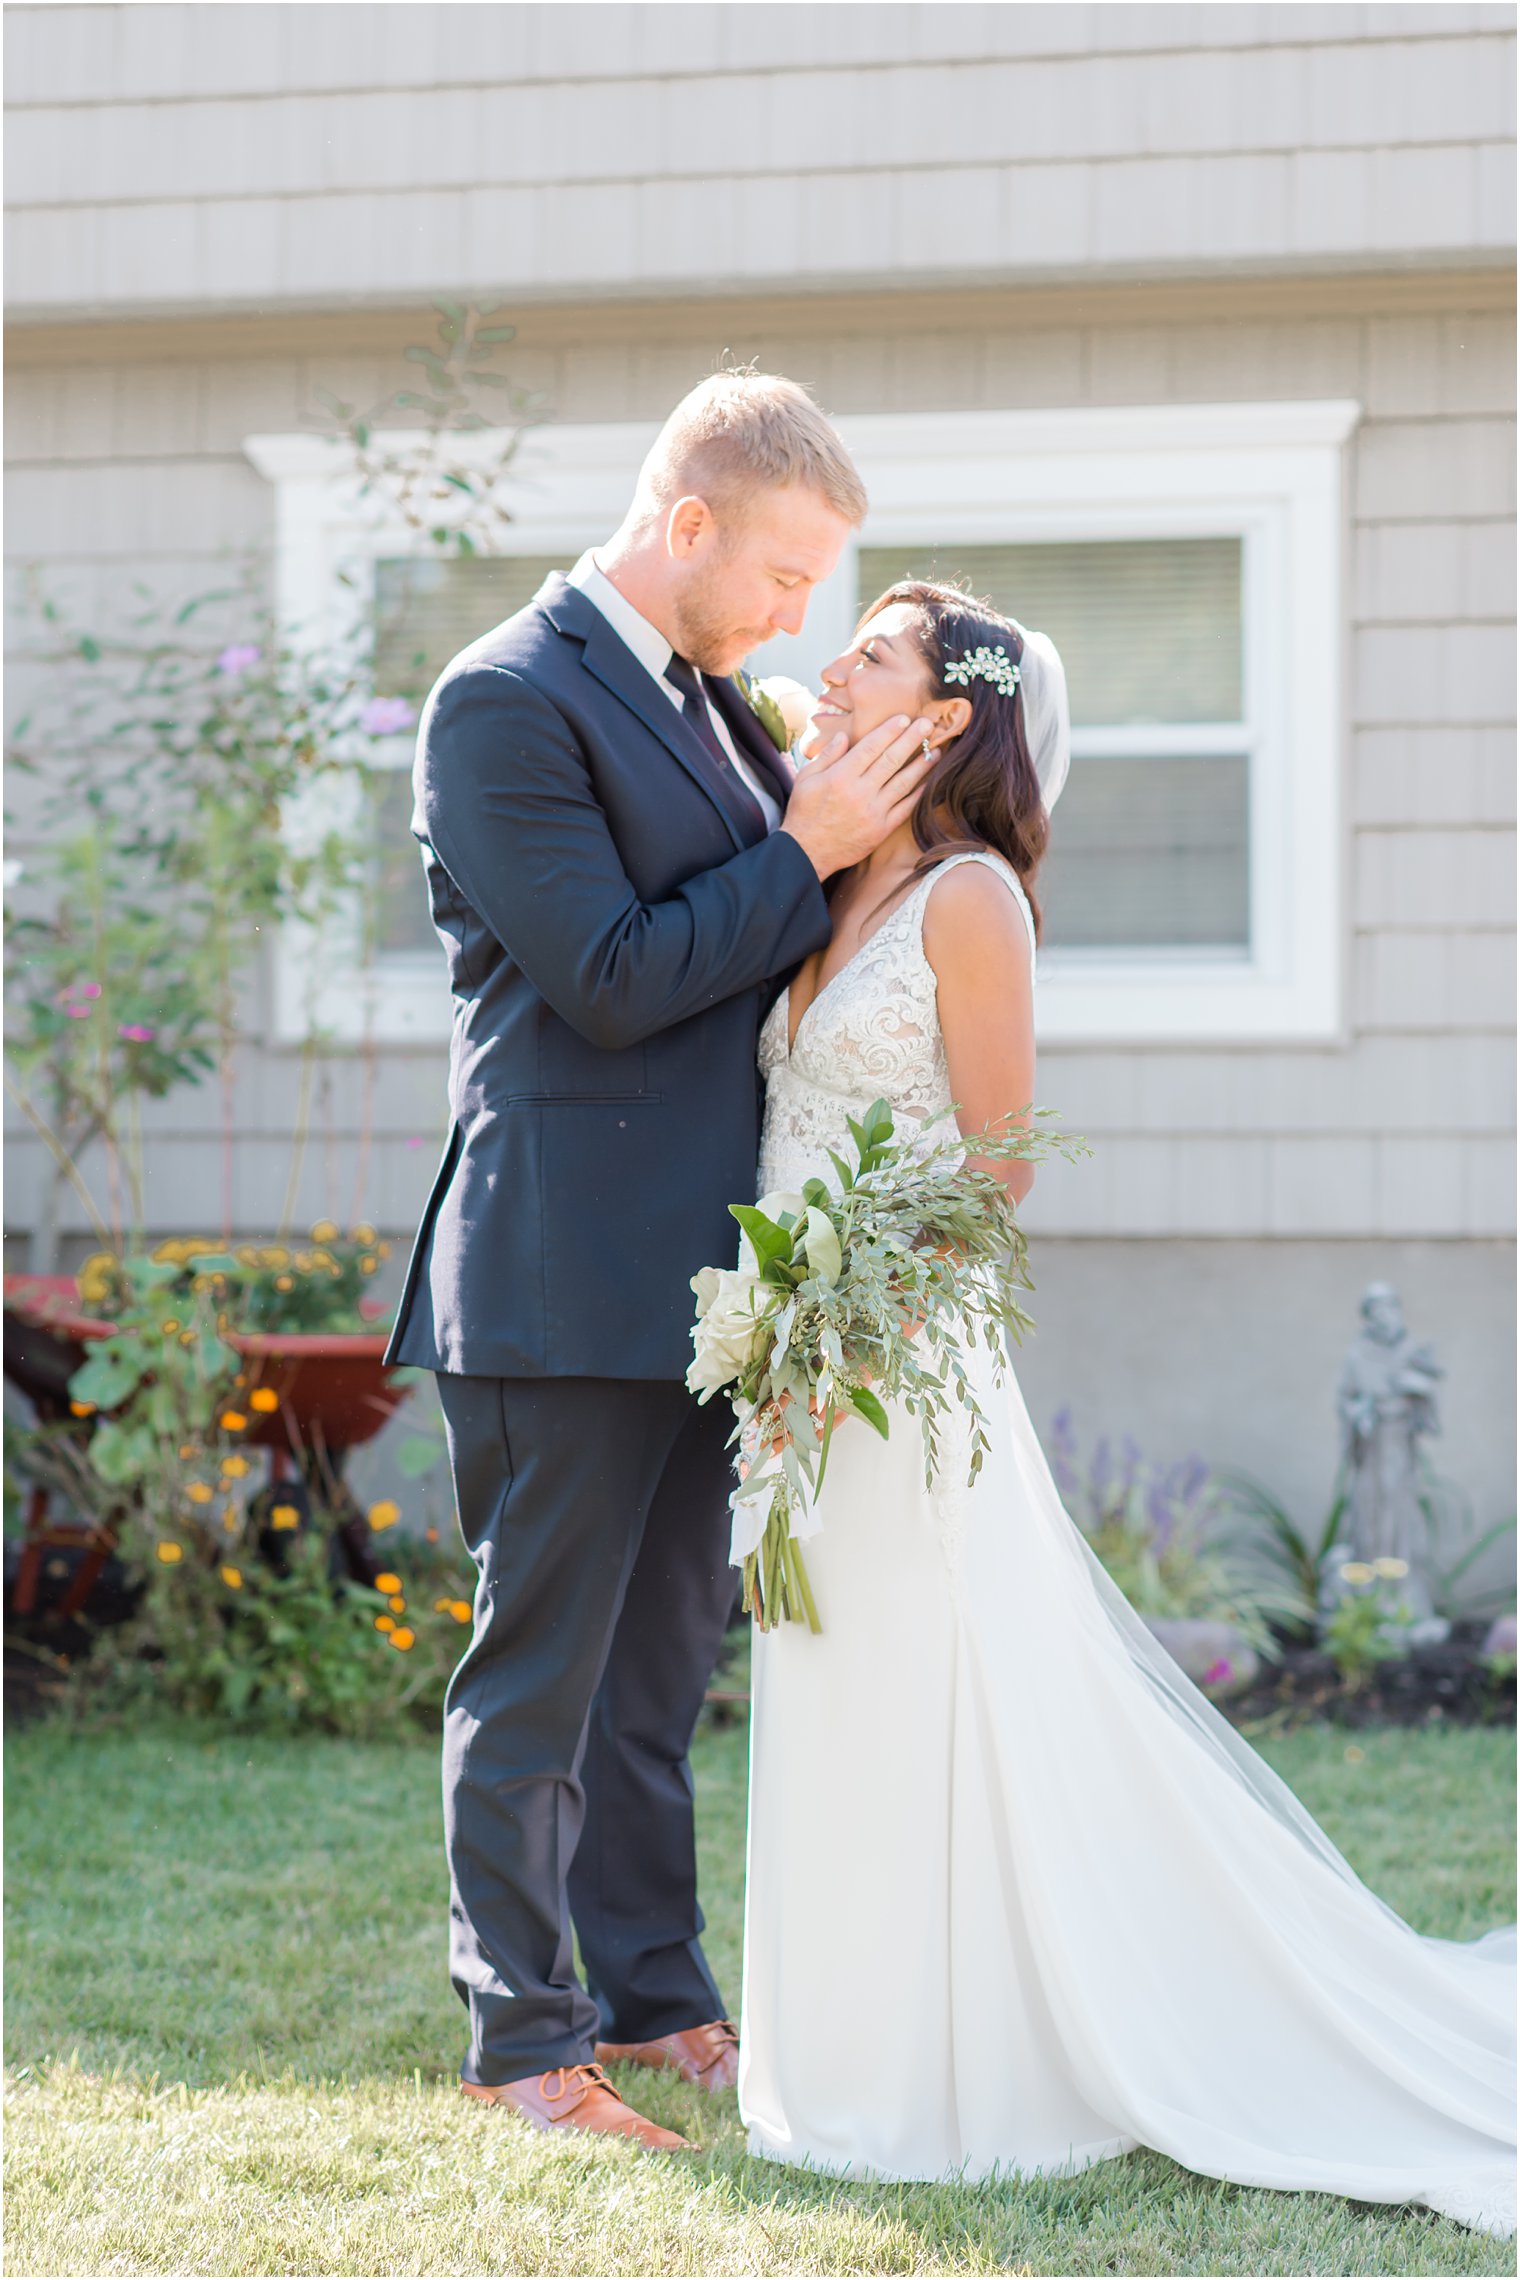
{"points": [[711, 642]]}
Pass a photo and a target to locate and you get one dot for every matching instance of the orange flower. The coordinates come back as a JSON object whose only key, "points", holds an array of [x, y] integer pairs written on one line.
{"points": [[188, 1450], [397, 1604], [402, 1638], [171, 1554], [286, 1516], [233, 1421], [461, 1610], [81, 1408], [199, 1492], [232, 1577], [387, 1582], [384, 1514], [385, 1622], [264, 1399], [431, 1534]]}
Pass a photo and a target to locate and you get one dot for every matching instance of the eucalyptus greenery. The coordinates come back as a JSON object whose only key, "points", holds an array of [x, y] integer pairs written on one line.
{"points": [[859, 1296]]}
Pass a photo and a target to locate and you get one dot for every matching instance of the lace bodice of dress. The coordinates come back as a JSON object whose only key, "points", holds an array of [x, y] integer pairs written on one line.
{"points": [[871, 1033]]}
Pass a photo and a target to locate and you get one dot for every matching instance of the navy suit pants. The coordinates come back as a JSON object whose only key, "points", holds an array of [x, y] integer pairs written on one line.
{"points": [[595, 1511]]}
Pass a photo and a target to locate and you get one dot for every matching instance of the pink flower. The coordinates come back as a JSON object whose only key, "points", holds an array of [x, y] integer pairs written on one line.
{"points": [[77, 1012], [137, 1032], [1218, 1672], [386, 716], [237, 658], [86, 990]]}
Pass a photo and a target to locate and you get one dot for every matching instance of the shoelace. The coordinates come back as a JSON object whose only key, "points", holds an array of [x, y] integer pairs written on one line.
{"points": [[583, 2079]]}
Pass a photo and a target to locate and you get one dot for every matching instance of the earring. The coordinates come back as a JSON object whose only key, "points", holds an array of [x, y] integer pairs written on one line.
{"points": [[928, 749]]}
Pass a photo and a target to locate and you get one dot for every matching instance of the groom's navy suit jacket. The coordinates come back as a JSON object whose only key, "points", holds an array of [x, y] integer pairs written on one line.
{"points": [[610, 932]]}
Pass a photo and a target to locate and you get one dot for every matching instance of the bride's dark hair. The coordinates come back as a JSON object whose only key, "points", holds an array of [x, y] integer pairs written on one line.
{"points": [[982, 790]]}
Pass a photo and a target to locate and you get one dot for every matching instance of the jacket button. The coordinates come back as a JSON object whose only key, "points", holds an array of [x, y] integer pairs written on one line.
{"points": [[622, 1124]]}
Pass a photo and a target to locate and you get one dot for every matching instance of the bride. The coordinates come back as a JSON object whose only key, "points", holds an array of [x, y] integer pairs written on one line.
{"points": [[1019, 1897]]}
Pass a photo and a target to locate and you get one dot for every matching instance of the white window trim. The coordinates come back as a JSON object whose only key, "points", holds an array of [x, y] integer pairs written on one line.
{"points": [[1270, 473]]}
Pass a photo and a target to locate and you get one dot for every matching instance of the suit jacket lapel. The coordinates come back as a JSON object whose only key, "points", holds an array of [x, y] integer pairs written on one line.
{"points": [[613, 663], [772, 767]]}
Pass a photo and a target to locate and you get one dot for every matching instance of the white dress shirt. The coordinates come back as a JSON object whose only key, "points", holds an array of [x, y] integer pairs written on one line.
{"points": [[654, 653]]}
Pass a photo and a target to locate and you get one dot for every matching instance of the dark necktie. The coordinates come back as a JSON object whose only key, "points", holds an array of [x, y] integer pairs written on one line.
{"points": [[694, 710]]}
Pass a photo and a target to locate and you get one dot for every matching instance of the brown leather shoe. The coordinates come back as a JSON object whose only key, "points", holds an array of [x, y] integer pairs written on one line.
{"points": [[575, 2098], [708, 2056]]}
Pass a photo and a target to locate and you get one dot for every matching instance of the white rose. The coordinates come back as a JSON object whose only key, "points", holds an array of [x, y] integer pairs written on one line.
{"points": [[793, 702], [727, 1332]]}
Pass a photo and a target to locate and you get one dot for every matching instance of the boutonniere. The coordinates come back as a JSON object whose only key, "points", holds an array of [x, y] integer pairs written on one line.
{"points": [[782, 707]]}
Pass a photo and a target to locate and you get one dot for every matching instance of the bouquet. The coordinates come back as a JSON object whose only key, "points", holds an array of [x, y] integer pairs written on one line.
{"points": [[847, 1297]]}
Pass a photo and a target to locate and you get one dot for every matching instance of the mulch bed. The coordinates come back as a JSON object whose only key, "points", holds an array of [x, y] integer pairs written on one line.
{"points": [[1449, 1682]]}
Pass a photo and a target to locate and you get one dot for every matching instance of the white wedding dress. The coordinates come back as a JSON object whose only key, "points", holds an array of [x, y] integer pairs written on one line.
{"points": [[1019, 1897]]}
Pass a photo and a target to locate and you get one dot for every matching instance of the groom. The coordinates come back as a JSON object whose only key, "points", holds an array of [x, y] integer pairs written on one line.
{"points": [[619, 864]]}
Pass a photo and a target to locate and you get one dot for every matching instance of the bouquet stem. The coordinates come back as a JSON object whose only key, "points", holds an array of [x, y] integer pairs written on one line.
{"points": [[776, 1586]]}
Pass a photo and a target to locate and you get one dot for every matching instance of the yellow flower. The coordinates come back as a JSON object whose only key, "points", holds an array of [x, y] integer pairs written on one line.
{"points": [[187, 1450], [171, 1326], [199, 1492], [81, 1408], [1356, 1571], [363, 1233], [96, 1276], [171, 1554], [442, 1606], [286, 1516], [246, 1255], [1390, 1567], [234, 1467], [384, 1514], [385, 1622], [233, 1421], [387, 1582], [233, 1579], [402, 1638], [284, 1282], [264, 1399], [461, 1610], [274, 1255], [325, 1231], [367, 1265], [230, 1519], [187, 1337]]}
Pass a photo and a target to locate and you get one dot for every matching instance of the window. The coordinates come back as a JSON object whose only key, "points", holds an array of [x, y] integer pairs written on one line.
{"points": [[1184, 559]]}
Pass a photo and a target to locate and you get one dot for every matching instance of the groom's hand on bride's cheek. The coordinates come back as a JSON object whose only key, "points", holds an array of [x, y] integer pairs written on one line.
{"points": [[848, 798]]}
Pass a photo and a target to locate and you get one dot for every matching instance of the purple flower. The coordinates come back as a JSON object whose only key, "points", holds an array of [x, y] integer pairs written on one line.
{"points": [[137, 1032], [1158, 1510], [237, 658], [1218, 1672], [1063, 1452], [386, 716]]}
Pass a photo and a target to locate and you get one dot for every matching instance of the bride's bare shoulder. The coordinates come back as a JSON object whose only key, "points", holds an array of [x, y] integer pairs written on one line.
{"points": [[972, 912]]}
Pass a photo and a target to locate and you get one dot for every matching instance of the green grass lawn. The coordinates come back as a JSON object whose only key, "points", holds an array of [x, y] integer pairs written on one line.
{"points": [[232, 2045]]}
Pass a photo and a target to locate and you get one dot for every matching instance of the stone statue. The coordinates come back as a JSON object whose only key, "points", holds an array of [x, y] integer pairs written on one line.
{"points": [[1386, 1400]]}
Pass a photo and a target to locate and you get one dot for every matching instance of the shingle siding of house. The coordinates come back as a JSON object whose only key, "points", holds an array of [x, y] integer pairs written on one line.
{"points": [[167, 157]]}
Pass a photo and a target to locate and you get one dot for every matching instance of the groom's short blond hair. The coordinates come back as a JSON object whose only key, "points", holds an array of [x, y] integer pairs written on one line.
{"points": [[745, 431]]}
